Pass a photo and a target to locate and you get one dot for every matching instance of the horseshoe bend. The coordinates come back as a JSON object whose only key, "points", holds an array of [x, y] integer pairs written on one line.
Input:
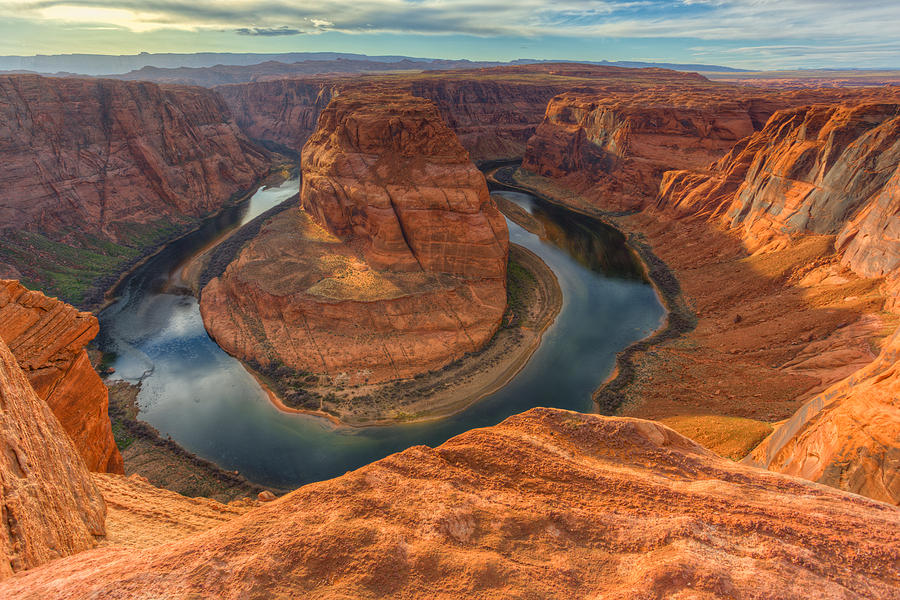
{"points": [[385, 327]]}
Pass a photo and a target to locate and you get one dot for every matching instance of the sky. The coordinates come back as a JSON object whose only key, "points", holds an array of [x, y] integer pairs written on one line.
{"points": [[754, 34]]}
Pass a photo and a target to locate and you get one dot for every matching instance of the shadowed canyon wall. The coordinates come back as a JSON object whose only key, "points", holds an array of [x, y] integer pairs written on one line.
{"points": [[48, 339], [395, 266], [493, 111], [96, 171]]}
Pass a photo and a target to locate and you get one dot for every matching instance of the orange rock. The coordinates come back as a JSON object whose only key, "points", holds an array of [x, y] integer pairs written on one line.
{"points": [[48, 338], [265, 496], [848, 436], [400, 270], [50, 506], [550, 503], [615, 147]]}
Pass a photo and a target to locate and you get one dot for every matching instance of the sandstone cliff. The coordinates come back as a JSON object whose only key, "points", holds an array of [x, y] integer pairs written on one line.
{"points": [[396, 267], [614, 147], [848, 436], [50, 506], [48, 339], [549, 503], [494, 111], [819, 170], [95, 171]]}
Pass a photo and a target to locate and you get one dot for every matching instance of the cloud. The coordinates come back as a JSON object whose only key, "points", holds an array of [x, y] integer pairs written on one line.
{"points": [[727, 23], [268, 31]]}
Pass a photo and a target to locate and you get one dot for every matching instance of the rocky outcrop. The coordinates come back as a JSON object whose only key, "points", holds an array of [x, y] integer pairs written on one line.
{"points": [[615, 147], [50, 506], [95, 171], [618, 147], [48, 339], [493, 111], [825, 169], [572, 505], [397, 265], [848, 436]]}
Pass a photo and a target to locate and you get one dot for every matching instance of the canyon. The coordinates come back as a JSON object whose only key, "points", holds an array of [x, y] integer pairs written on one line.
{"points": [[767, 219], [97, 172], [785, 252], [395, 265], [493, 111]]}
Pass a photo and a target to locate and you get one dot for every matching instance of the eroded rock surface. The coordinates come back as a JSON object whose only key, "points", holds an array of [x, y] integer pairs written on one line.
{"points": [[48, 339], [615, 147], [848, 436], [568, 504], [50, 506], [397, 265], [97, 170]]}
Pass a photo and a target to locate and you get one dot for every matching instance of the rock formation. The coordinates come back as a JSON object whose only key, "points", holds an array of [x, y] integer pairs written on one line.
{"points": [[848, 436], [572, 505], [830, 171], [48, 339], [50, 506], [493, 111], [396, 267], [95, 171], [614, 147]]}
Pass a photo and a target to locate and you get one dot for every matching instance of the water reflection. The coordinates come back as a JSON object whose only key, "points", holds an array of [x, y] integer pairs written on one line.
{"points": [[205, 400]]}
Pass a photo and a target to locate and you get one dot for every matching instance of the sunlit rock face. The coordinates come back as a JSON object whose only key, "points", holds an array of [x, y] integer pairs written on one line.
{"points": [[395, 266], [569, 504], [50, 506], [48, 339]]}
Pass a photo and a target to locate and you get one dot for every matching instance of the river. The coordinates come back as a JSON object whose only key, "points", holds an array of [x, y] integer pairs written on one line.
{"points": [[201, 397]]}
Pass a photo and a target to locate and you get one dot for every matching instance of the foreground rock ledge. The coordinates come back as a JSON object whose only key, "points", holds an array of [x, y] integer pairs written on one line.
{"points": [[549, 504], [395, 267]]}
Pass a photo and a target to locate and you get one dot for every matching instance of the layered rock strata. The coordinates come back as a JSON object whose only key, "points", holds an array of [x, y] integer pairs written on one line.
{"points": [[493, 111], [50, 506], [615, 147], [826, 172], [395, 267], [48, 339], [572, 505], [97, 170], [848, 436]]}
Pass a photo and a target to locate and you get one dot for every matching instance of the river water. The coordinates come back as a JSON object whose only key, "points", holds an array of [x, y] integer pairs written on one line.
{"points": [[203, 398]]}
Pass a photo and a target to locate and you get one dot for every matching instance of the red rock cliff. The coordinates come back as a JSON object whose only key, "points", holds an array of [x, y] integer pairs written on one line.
{"points": [[550, 503], [89, 162], [825, 169], [614, 147], [48, 337], [819, 169], [397, 266], [50, 506]]}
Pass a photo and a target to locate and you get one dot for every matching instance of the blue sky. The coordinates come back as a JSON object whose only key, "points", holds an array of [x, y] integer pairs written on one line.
{"points": [[765, 34]]}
